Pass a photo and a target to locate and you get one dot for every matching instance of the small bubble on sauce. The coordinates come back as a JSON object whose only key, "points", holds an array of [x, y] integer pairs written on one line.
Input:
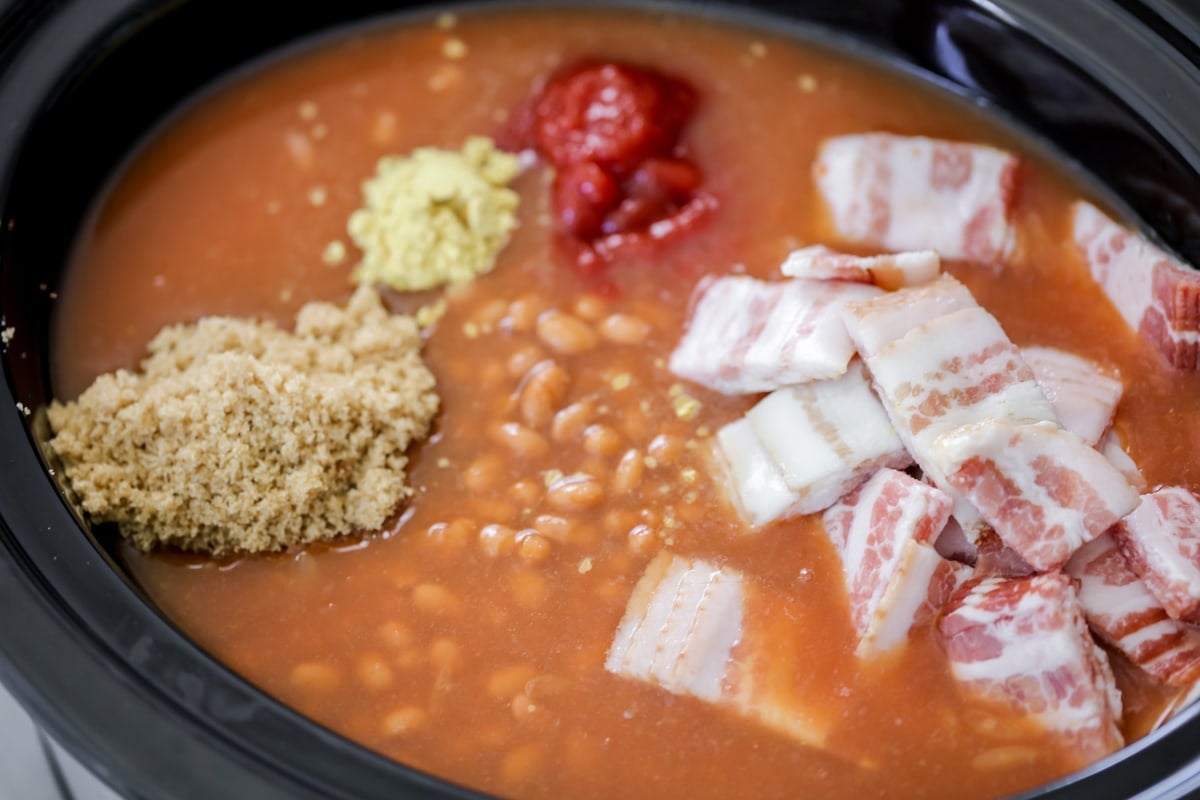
{"points": [[334, 253], [758, 49], [806, 575], [159, 281], [319, 131], [807, 83], [308, 110], [317, 196], [454, 49]]}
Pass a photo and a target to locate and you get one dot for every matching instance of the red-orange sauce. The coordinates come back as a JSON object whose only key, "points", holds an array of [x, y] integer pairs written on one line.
{"points": [[418, 641]]}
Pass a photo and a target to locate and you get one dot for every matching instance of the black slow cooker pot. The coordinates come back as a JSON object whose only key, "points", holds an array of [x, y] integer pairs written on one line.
{"points": [[1111, 85]]}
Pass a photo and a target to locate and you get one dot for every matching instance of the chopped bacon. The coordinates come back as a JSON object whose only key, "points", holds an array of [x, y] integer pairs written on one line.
{"points": [[877, 322], [1044, 490], [1083, 393], [755, 484], [955, 370], [1023, 643], [827, 437], [885, 271], [1113, 448], [913, 193], [747, 336], [1124, 613], [689, 628], [884, 532], [1161, 541], [1156, 294]]}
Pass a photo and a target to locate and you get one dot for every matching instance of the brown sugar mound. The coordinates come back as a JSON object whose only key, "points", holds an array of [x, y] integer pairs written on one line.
{"points": [[237, 436]]}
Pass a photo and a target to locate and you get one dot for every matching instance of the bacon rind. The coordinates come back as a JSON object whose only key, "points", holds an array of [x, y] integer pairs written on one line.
{"points": [[1023, 643], [1161, 542], [1156, 294], [884, 532], [915, 193], [888, 271], [1044, 490], [1124, 613]]}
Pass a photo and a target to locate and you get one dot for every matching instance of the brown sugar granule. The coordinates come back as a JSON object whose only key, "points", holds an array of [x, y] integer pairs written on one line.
{"points": [[237, 436]]}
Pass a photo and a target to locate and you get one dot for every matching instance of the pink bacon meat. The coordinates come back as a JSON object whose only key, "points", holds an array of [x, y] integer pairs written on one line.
{"points": [[689, 629], [884, 532], [1156, 294], [1083, 393], [891, 271], [914, 193], [1023, 643], [745, 335], [1123, 613], [1044, 490], [1161, 541]]}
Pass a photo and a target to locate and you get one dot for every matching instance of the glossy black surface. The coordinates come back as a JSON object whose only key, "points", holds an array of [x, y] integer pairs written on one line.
{"points": [[1114, 84]]}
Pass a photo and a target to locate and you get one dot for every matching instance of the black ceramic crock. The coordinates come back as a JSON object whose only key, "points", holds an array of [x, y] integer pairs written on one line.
{"points": [[1111, 85]]}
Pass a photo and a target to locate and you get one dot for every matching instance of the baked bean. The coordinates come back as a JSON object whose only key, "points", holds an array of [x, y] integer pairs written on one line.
{"points": [[543, 392], [643, 540], [575, 493], [433, 598], [315, 676], [373, 673], [628, 473], [532, 546], [624, 329], [395, 634], [493, 375], [454, 534], [509, 681], [619, 520], [445, 654], [523, 313], [571, 421], [521, 441], [530, 588], [490, 313], [520, 362], [522, 764], [496, 540], [526, 492], [484, 473], [591, 307], [553, 527], [564, 333], [601, 440], [524, 709], [404, 721], [664, 448]]}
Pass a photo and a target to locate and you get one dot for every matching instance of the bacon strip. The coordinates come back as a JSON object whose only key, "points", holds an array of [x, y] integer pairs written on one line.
{"points": [[1023, 643], [1161, 541], [745, 335], [1044, 490], [756, 486], [1123, 613], [827, 437], [1083, 394], [1111, 446], [1156, 294], [877, 322], [913, 193], [689, 628], [885, 271], [884, 532]]}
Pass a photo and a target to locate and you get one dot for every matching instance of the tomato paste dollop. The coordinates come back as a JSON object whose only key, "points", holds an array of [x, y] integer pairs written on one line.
{"points": [[623, 178]]}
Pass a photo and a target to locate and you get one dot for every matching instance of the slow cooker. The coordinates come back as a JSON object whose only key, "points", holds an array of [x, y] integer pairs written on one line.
{"points": [[1112, 86]]}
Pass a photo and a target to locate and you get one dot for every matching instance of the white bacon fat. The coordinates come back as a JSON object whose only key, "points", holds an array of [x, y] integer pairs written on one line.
{"points": [[1123, 612], [1083, 393], [915, 193], [754, 482], [1161, 541], [888, 271], [1024, 643], [745, 335], [1156, 294], [884, 532]]}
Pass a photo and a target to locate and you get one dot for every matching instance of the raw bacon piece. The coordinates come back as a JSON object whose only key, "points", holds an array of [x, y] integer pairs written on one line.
{"points": [[874, 323], [1156, 294], [1044, 490], [756, 486], [885, 271], [746, 335], [1023, 643], [689, 628], [884, 532], [955, 370], [1161, 541], [1114, 450], [827, 437], [1123, 613], [913, 193], [1083, 394]]}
